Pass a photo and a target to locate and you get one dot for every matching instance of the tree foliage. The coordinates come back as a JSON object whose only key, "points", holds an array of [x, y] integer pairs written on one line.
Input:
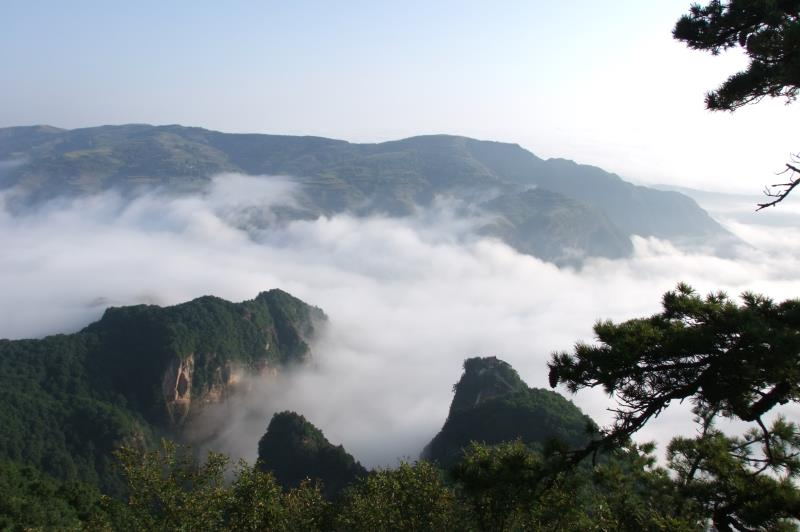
{"points": [[768, 31], [31, 500], [736, 362], [410, 497], [739, 360], [505, 487], [170, 490], [723, 474], [512, 487]]}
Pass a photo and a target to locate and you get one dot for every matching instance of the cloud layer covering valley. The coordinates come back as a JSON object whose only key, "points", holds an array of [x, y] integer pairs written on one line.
{"points": [[408, 299]]}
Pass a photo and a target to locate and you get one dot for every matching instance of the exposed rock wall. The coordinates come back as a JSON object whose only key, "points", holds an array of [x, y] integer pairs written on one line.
{"points": [[170, 362], [177, 388]]}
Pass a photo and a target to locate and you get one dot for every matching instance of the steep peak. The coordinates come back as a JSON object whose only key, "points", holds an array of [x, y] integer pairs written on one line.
{"points": [[293, 450], [285, 303], [485, 378], [492, 405], [297, 429], [274, 293]]}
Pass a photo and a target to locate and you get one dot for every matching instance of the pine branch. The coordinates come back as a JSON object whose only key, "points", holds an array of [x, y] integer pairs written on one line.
{"points": [[781, 194]]}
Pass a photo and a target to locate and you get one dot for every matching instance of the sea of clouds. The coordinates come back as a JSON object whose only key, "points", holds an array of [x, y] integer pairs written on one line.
{"points": [[408, 299]]}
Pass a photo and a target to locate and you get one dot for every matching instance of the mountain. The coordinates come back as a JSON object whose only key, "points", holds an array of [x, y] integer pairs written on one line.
{"points": [[556, 209], [67, 401], [193, 353], [492, 404], [293, 450]]}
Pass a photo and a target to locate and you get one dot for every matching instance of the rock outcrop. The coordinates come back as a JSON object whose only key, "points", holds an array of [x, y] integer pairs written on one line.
{"points": [[169, 362], [293, 450], [492, 404]]}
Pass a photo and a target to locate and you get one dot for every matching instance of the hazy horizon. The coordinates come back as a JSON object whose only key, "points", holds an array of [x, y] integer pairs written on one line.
{"points": [[601, 85]]}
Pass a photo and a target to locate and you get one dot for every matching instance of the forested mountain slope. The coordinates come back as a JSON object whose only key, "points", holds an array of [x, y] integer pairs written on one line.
{"points": [[293, 450], [67, 401], [554, 209], [492, 405]]}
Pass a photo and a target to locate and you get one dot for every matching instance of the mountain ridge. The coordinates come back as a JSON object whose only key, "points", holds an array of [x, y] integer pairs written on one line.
{"points": [[586, 211], [139, 372]]}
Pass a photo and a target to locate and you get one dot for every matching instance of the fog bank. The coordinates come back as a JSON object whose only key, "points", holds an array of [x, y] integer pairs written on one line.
{"points": [[408, 299]]}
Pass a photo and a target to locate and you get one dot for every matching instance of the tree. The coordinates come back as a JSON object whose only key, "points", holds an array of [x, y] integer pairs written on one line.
{"points": [[733, 361], [723, 474], [513, 487], [411, 497], [768, 31], [168, 489], [31, 500]]}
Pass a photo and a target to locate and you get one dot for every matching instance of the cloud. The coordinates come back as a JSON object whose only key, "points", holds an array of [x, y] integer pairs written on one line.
{"points": [[408, 299]]}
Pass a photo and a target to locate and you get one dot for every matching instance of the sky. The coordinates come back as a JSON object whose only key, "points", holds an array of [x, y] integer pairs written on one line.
{"points": [[601, 83]]}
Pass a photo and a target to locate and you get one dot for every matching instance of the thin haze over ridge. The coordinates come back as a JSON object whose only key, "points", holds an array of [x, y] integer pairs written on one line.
{"points": [[601, 84]]}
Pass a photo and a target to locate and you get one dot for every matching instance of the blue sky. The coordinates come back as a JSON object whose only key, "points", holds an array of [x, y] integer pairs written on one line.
{"points": [[598, 82]]}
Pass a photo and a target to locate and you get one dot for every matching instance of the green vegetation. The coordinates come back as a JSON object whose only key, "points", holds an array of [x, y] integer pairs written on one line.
{"points": [[738, 362], [31, 500], [411, 497], [294, 450], [768, 32], [735, 362], [493, 405], [208, 338], [511, 487], [507, 484], [504, 487], [67, 401], [169, 490], [52, 416]]}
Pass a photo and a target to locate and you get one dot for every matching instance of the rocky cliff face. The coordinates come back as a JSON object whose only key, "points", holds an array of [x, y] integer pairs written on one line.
{"points": [[484, 379], [169, 362], [177, 388]]}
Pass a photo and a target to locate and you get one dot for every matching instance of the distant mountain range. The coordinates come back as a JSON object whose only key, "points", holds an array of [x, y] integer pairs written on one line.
{"points": [[741, 207], [554, 209]]}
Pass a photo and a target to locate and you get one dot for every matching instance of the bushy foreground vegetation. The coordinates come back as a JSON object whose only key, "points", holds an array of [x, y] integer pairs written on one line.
{"points": [[504, 487]]}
